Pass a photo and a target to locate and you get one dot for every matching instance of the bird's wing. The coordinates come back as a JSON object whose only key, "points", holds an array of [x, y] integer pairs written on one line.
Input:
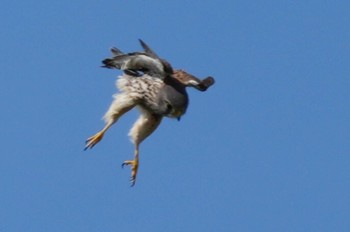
{"points": [[135, 62], [148, 50], [132, 63], [192, 81], [116, 51]]}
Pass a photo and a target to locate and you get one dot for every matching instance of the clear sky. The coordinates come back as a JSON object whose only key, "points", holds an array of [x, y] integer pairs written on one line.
{"points": [[265, 149]]}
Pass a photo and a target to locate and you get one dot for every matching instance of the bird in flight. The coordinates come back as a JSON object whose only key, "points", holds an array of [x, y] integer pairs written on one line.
{"points": [[151, 84]]}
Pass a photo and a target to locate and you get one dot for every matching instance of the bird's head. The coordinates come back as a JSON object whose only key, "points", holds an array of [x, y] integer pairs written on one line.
{"points": [[173, 98]]}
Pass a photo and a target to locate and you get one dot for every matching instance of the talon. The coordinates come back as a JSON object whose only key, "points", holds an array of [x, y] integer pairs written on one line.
{"points": [[134, 167], [93, 140], [126, 163]]}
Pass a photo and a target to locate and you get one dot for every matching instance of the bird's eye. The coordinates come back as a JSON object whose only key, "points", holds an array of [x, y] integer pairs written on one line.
{"points": [[169, 107]]}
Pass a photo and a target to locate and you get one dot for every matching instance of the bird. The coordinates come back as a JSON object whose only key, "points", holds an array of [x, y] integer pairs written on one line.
{"points": [[150, 84]]}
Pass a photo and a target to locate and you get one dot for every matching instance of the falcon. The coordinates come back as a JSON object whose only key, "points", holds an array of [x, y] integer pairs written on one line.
{"points": [[151, 84]]}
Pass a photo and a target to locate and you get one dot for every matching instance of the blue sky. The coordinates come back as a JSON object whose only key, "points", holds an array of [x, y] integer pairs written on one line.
{"points": [[265, 149]]}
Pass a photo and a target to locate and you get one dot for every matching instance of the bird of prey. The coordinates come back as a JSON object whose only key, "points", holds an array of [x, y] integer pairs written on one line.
{"points": [[149, 83]]}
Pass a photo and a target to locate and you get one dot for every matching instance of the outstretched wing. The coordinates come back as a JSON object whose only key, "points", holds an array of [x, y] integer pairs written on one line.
{"points": [[147, 62], [182, 76], [109, 63], [135, 62], [192, 81]]}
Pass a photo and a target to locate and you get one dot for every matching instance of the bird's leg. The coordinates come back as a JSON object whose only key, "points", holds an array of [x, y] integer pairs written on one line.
{"points": [[143, 127], [134, 165], [93, 140], [121, 104]]}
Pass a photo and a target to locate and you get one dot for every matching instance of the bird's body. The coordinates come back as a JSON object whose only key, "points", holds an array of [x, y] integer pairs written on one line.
{"points": [[153, 95], [157, 92]]}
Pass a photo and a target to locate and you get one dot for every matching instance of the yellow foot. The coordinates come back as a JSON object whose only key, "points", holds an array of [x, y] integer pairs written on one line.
{"points": [[134, 167], [93, 140]]}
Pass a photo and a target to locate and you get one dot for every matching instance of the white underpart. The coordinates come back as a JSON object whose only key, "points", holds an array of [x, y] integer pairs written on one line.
{"points": [[123, 101], [128, 98], [144, 126], [121, 104]]}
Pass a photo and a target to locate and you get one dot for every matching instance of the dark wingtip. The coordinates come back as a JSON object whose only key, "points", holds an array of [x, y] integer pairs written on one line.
{"points": [[206, 83], [106, 63], [141, 41], [147, 49], [143, 44], [116, 51]]}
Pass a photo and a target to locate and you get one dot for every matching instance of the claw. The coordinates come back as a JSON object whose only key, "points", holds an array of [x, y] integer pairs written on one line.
{"points": [[134, 167], [93, 140], [125, 163], [133, 181]]}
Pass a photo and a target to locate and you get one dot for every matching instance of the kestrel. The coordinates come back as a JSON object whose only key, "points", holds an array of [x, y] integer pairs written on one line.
{"points": [[150, 84]]}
